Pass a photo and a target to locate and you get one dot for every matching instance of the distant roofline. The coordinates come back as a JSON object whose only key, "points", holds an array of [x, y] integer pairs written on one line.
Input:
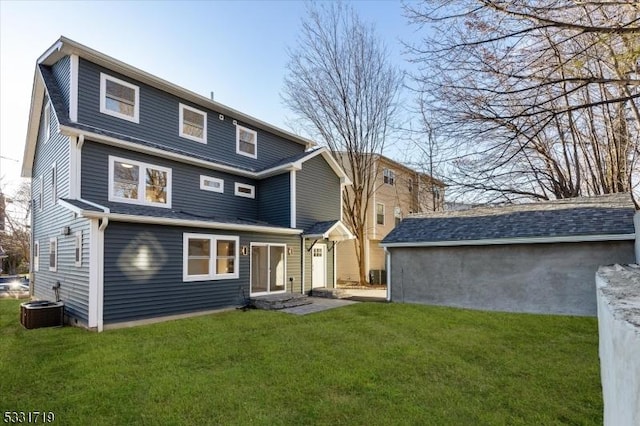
{"points": [[509, 241], [65, 46]]}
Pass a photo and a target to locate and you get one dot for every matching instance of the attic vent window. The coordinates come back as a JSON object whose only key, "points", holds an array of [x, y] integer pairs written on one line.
{"points": [[193, 124], [244, 190], [119, 98], [246, 142], [211, 184]]}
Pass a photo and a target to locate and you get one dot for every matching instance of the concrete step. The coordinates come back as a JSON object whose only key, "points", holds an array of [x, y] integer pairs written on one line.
{"points": [[330, 293], [279, 301]]}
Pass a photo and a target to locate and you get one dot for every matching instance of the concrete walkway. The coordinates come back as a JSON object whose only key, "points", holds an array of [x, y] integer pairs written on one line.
{"points": [[366, 293], [318, 304]]}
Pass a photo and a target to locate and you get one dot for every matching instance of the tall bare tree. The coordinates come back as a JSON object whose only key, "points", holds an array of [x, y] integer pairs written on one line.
{"points": [[344, 91], [540, 96], [15, 238]]}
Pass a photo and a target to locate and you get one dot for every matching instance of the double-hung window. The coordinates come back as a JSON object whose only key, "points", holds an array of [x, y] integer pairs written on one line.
{"points": [[36, 256], [139, 183], [380, 214], [193, 124], [119, 98], [47, 122], [210, 257], [389, 176], [54, 184], [246, 142], [53, 254], [78, 249]]}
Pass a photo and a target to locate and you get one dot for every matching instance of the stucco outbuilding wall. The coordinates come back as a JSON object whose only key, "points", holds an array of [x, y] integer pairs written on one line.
{"points": [[618, 292], [553, 278]]}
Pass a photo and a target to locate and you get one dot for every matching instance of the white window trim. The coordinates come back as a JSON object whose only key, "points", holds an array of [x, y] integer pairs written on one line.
{"points": [[47, 122], [41, 196], [212, 275], [141, 183], [182, 107], [53, 242], [204, 187], [255, 134], [390, 175], [268, 246], [238, 193], [103, 98], [36, 256], [54, 183], [78, 246], [383, 214]]}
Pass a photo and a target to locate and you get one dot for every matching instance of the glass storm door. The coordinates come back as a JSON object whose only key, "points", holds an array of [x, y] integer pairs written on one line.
{"points": [[268, 268]]}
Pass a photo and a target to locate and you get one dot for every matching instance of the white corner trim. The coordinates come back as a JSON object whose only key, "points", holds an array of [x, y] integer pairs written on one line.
{"points": [[293, 195], [506, 241], [73, 88], [73, 168], [387, 255]]}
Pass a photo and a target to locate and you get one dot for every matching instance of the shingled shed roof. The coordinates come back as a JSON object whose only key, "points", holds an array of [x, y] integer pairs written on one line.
{"points": [[580, 219]]}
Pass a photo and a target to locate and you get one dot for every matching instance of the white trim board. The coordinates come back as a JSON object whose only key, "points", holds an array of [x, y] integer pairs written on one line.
{"points": [[507, 241]]}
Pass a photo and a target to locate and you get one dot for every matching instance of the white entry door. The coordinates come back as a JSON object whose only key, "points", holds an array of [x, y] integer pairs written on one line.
{"points": [[319, 266]]}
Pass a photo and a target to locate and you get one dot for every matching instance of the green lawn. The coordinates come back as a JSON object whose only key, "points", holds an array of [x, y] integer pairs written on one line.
{"points": [[368, 363]]}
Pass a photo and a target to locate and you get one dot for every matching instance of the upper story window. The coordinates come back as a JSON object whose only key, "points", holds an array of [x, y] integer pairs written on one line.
{"points": [[380, 214], [410, 185], [211, 184], [397, 214], [119, 98], [246, 142], [139, 183], [193, 124], [389, 176], [47, 122], [54, 184], [41, 195], [244, 190]]}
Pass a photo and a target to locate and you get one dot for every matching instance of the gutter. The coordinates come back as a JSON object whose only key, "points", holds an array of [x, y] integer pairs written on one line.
{"points": [[524, 240]]}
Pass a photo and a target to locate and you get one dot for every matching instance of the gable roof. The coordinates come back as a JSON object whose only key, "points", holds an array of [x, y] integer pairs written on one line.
{"points": [[333, 230], [604, 218], [65, 46]]}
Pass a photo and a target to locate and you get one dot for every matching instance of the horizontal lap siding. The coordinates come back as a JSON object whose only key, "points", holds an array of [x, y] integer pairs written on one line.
{"points": [[61, 73], [274, 200], [143, 272], [317, 193], [159, 116], [185, 188], [50, 221]]}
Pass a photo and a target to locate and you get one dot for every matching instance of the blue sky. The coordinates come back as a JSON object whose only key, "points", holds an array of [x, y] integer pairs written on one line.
{"points": [[235, 49]]}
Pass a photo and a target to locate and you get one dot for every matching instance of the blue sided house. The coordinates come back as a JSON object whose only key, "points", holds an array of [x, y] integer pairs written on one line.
{"points": [[151, 201]]}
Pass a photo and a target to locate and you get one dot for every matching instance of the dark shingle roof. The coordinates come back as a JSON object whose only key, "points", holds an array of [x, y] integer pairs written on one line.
{"points": [[319, 228], [82, 205], [543, 220]]}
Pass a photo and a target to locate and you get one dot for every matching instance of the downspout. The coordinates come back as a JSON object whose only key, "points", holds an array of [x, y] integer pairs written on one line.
{"points": [[387, 255], [304, 252], [636, 224], [103, 225]]}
